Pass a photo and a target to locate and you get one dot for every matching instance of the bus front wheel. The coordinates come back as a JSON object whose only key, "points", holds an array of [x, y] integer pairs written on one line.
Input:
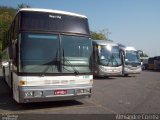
{"points": [[125, 75]]}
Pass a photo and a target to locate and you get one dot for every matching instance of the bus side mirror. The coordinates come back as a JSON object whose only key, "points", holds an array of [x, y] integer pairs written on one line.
{"points": [[122, 54], [140, 52]]}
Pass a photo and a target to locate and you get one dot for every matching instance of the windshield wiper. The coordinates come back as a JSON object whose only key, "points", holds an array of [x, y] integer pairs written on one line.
{"points": [[70, 64], [49, 64], [54, 62]]}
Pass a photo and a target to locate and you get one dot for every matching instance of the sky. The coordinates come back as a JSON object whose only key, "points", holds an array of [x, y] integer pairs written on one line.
{"points": [[130, 22]]}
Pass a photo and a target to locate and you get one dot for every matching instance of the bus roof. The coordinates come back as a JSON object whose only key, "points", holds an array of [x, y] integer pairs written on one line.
{"points": [[126, 47], [130, 48], [51, 11], [104, 42]]}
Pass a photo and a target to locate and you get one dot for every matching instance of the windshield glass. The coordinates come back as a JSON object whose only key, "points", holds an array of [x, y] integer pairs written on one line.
{"points": [[76, 53], [40, 53], [109, 55], [132, 57]]}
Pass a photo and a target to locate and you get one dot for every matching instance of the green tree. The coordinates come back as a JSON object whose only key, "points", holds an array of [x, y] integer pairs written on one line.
{"points": [[101, 35], [11, 11], [106, 34], [23, 5], [97, 35], [6, 16], [5, 20], [144, 55]]}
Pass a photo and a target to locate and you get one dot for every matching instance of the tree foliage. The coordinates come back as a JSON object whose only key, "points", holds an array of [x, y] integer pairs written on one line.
{"points": [[23, 5], [144, 55], [101, 35], [6, 16], [97, 35]]}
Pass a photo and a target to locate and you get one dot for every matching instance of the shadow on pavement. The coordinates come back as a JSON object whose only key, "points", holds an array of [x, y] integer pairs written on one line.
{"points": [[129, 76], [104, 78]]}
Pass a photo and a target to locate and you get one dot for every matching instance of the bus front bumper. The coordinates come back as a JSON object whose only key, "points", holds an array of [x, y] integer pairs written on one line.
{"points": [[41, 94], [133, 70], [108, 71]]}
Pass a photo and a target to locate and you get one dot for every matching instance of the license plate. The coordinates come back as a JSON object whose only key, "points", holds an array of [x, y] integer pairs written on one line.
{"points": [[60, 92]]}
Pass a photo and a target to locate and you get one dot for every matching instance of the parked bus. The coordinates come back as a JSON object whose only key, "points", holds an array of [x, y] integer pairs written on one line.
{"points": [[131, 60], [47, 56], [107, 58], [157, 62], [151, 65], [154, 63]]}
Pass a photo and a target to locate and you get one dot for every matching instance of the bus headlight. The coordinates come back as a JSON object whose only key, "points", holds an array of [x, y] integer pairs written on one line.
{"points": [[38, 93], [83, 91], [88, 90], [80, 91], [28, 94]]}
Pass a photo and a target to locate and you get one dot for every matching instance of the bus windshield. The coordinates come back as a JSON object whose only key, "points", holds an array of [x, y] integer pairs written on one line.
{"points": [[109, 55], [132, 57], [49, 53], [76, 53]]}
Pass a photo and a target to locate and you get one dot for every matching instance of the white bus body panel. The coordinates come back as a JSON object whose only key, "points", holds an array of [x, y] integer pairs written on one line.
{"points": [[45, 83]]}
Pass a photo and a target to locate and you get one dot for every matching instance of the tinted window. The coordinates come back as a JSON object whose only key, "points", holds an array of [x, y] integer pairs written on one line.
{"points": [[53, 22], [109, 55], [76, 46], [39, 48], [132, 56], [40, 53]]}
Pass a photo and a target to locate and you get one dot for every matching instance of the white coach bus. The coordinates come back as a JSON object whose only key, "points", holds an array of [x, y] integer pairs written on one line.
{"points": [[131, 60], [47, 56], [107, 58]]}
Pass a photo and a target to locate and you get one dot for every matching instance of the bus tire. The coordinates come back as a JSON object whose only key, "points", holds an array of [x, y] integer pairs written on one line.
{"points": [[3, 70], [125, 75], [11, 81]]}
